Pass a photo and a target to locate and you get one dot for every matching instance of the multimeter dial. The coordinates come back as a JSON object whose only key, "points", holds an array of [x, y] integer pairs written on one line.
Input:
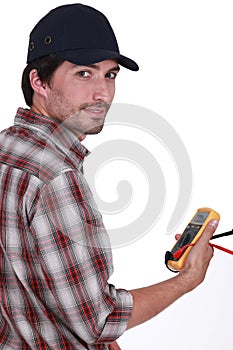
{"points": [[187, 236]]}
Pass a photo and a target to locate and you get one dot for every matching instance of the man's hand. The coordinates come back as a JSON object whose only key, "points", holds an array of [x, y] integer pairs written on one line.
{"points": [[150, 301], [114, 346], [197, 262]]}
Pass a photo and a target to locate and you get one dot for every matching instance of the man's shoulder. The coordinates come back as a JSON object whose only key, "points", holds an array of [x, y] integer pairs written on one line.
{"points": [[32, 152]]}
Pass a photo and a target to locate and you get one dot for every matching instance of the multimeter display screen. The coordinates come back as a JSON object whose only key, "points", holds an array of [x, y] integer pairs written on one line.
{"points": [[200, 217]]}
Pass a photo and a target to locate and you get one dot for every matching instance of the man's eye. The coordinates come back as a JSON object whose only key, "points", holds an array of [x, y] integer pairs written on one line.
{"points": [[111, 75], [84, 74]]}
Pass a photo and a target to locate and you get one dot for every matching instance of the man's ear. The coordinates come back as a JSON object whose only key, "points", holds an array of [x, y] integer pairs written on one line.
{"points": [[37, 85]]}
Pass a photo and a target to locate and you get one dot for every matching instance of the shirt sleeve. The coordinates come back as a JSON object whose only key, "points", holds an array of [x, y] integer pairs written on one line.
{"points": [[76, 261]]}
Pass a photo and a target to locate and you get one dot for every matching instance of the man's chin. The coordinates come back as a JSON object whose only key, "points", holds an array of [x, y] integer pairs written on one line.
{"points": [[94, 131]]}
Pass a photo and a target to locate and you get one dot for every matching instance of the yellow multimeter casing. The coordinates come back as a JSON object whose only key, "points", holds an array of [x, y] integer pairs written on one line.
{"points": [[191, 234]]}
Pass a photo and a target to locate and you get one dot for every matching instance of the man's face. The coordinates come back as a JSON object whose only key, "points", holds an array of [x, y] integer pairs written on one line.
{"points": [[80, 96]]}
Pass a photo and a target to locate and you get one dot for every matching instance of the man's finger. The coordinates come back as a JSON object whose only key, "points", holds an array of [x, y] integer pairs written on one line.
{"points": [[209, 231]]}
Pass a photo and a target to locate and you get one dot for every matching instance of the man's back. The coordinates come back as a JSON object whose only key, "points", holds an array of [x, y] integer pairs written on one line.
{"points": [[55, 257]]}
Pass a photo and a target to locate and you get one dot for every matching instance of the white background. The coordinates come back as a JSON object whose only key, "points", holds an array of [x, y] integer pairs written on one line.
{"points": [[184, 49]]}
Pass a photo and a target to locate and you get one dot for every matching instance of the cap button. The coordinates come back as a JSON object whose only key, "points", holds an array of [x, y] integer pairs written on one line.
{"points": [[48, 40], [31, 46]]}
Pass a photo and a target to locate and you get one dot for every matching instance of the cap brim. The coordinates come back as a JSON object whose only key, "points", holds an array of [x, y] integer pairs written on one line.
{"points": [[87, 57]]}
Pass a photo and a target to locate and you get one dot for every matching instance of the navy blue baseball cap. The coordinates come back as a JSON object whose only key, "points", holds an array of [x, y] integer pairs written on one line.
{"points": [[77, 33]]}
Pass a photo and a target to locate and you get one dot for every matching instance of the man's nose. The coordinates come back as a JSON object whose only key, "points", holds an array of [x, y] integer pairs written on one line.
{"points": [[103, 91]]}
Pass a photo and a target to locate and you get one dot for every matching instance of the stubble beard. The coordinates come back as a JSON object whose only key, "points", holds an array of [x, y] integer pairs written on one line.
{"points": [[77, 119], [89, 123]]}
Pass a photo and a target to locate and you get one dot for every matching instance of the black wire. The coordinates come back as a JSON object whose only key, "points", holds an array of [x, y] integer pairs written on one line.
{"points": [[169, 256], [222, 234]]}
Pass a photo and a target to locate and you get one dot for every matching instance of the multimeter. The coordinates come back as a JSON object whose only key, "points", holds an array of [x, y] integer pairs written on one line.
{"points": [[191, 234]]}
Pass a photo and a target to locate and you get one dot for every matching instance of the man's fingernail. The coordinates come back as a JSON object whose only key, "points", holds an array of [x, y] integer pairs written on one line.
{"points": [[214, 223]]}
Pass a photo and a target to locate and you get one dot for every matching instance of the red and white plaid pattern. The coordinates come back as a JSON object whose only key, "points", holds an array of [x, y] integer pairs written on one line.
{"points": [[55, 256]]}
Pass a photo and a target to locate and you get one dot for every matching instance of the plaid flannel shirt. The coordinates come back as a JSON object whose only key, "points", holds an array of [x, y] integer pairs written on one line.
{"points": [[55, 256]]}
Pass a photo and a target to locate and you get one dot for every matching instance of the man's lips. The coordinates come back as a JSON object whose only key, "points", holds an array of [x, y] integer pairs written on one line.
{"points": [[96, 111]]}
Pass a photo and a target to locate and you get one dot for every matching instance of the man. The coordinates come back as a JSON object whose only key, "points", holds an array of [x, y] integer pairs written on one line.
{"points": [[55, 256]]}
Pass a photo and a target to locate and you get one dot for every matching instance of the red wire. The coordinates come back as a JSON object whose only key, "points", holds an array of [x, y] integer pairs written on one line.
{"points": [[180, 251], [221, 248]]}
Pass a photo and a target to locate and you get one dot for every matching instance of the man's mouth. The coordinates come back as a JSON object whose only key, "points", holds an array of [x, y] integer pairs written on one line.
{"points": [[96, 111]]}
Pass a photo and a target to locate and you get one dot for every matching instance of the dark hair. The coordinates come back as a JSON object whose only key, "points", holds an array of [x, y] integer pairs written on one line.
{"points": [[45, 67]]}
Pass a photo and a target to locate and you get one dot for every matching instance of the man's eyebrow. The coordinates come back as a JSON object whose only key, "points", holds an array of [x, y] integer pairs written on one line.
{"points": [[95, 66], [116, 68]]}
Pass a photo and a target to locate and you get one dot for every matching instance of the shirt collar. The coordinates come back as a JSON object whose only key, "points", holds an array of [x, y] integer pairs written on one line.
{"points": [[52, 130]]}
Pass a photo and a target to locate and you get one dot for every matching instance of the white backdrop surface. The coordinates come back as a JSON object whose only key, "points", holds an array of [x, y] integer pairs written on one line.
{"points": [[185, 53]]}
